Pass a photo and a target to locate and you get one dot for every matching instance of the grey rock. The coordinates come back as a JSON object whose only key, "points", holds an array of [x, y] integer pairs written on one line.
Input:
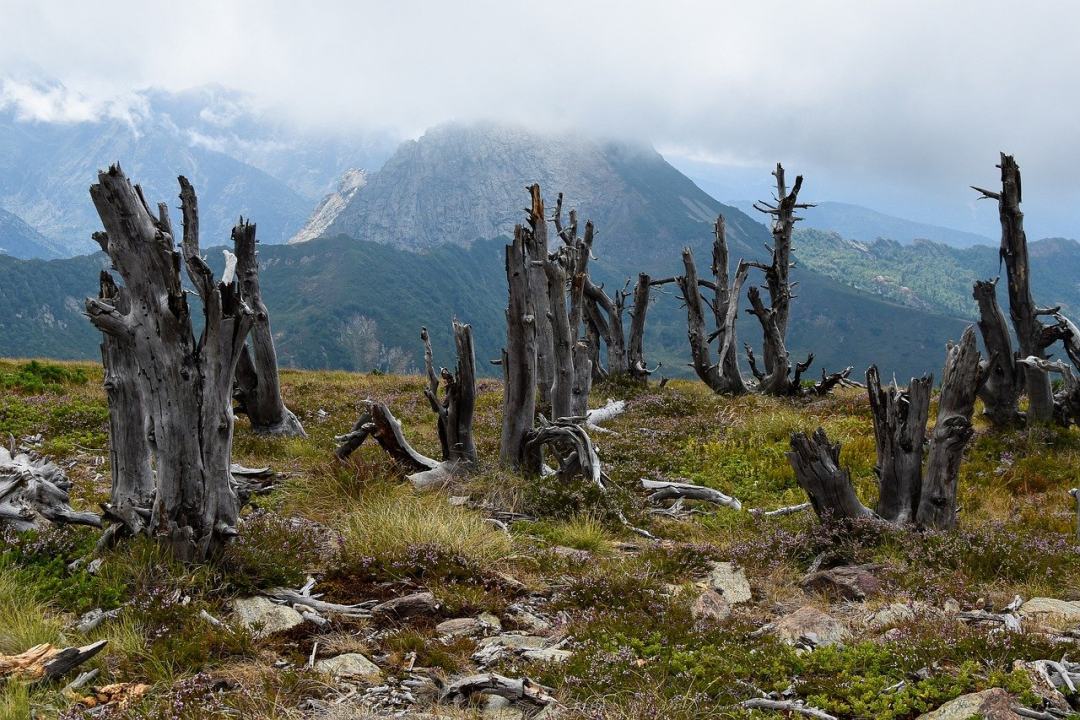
{"points": [[349, 665], [730, 582], [810, 623], [992, 704], [552, 654], [710, 605], [1051, 612], [263, 617], [457, 627]]}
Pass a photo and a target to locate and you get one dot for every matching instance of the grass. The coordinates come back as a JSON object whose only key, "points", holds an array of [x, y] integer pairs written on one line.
{"points": [[364, 534]]}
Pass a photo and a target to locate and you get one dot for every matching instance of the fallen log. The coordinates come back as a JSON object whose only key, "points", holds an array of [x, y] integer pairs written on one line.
{"points": [[513, 689], [33, 493], [46, 662], [673, 490]]}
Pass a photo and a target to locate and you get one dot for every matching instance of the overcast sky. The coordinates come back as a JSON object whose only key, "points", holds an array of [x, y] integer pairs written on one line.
{"points": [[898, 105]]}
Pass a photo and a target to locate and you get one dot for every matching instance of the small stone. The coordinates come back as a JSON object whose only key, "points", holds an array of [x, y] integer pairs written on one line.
{"points": [[710, 605], [848, 582], [458, 627], [349, 665], [515, 642], [496, 707], [890, 615], [489, 621], [1051, 612], [530, 621], [730, 582], [263, 617], [553, 655], [811, 624], [992, 704], [572, 554], [951, 606], [421, 603]]}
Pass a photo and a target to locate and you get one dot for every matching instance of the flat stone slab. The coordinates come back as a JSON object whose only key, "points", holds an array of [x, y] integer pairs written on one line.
{"points": [[349, 665], [263, 617], [730, 582], [1058, 614], [458, 627]]}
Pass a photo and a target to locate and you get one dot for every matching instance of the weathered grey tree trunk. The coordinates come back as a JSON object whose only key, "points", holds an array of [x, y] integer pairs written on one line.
{"points": [[258, 390], [562, 386], [1001, 393], [186, 384], [700, 354], [960, 383], [776, 379], [519, 358], [726, 309], [899, 431], [604, 318], [536, 247], [816, 462], [132, 492], [1022, 309], [636, 365], [34, 493], [455, 412]]}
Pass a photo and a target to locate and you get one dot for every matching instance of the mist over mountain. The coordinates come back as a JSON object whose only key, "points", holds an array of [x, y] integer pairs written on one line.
{"points": [[243, 164], [20, 240]]}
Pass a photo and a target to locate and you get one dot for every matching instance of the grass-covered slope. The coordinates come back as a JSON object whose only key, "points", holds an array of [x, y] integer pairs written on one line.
{"points": [[621, 603]]}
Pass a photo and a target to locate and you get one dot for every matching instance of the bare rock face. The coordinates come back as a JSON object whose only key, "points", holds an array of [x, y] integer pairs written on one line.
{"points": [[331, 206], [811, 626], [349, 665], [730, 582], [263, 617], [992, 704], [1051, 612], [849, 582]]}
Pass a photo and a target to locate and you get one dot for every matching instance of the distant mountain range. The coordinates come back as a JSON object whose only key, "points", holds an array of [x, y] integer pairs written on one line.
{"points": [[862, 224], [241, 164], [420, 241]]}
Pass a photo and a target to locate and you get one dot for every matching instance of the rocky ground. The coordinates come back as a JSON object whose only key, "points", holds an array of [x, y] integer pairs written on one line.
{"points": [[349, 595]]}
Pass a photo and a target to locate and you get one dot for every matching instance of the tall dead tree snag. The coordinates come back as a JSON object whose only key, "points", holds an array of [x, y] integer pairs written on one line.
{"points": [[519, 357], [636, 365], [258, 391], [1005, 377], [1032, 335], [907, 493], [186, 384], [536, 247]]}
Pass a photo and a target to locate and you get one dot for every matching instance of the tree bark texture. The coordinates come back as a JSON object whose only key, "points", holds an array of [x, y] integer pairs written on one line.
{"points": [[186, 383], [636, 365], [1005, 381], [726, 309], [258, 390], [816, 462], [536, 247], [899, 431], [960, 383], [1022, 308]]}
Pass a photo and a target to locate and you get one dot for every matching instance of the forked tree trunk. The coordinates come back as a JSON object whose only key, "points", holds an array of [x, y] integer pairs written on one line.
{"points": [[536, 246], [696, 332], [726, 309], [636, 365], [1022, 308], [960, 383], [130, 462], [776, 378], [604, 319], [1005, 380], [186, 384], [520, 356], [258, 390], [816, 462], [899, 431]]}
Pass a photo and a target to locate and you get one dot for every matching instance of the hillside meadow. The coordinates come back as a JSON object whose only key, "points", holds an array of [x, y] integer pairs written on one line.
{"points": [[563, 568]]}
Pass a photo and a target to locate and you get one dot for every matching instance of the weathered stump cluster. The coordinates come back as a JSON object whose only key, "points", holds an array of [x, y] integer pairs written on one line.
{"points": [[170, 391], [776, 375]]}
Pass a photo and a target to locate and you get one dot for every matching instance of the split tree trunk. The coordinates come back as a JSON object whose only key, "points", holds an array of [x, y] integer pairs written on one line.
{"points": [[519, 358], [186, 385], [1005, 380], [258, 390], [696, 333], [726, 309], [960, 383], [1022, 309], [130, 462], [604, 317], [562, 386], [816, 462], [899, 431]]}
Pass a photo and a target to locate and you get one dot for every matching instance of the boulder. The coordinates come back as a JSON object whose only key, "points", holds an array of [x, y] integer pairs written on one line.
{"points": [[493, 648], [992, 704], [489, 621], [349, 665], [421, 603], [710, 606], [1051, 612], [263, 617], [848, 582], [730, 582], [809, 624]]}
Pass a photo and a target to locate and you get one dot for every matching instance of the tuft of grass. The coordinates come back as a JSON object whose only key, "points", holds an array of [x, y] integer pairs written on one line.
{"points": [[581, 532]]}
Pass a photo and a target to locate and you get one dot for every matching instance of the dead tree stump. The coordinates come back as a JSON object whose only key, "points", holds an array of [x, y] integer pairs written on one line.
{"points": [[519, 358], [1005, 381], [186, 383], [816, 462], [899, 431], [258, 390]]}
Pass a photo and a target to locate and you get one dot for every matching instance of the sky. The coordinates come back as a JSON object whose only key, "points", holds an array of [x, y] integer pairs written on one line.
{"points": [[895, 105]]}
